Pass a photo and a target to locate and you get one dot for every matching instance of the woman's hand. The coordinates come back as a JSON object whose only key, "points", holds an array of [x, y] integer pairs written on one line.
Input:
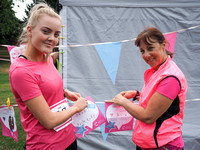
{"points": [[131, 94], [72, 95], [118, 100], [80, 104]]}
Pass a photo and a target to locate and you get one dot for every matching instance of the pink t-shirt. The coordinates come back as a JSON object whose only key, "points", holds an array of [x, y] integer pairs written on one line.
{"points": [[170, 87], [31, 79]]}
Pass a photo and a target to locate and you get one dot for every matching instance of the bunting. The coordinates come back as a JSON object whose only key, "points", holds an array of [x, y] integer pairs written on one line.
{"points": [[171, 40], [88, 119], [110, 54], [102, 127]]}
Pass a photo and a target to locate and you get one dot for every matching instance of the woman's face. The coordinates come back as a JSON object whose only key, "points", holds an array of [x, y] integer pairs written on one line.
{"points": [[153, 54], [44, 36]]}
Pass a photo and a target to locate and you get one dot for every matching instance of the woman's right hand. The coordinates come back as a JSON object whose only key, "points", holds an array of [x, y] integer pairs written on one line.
{"points": [[131, 94], [80, 104]]}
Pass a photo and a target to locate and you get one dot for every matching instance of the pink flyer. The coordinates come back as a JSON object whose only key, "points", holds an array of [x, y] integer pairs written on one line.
{"points": [[7, 118], [88, 119], [117, 118]]}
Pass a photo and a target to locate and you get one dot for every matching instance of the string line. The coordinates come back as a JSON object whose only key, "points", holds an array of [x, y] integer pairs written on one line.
{"points": [[123, 41]]}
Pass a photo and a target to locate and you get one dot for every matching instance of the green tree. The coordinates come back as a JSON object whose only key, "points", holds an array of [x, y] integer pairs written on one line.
{"points": [[10, 25], [53, 3]]}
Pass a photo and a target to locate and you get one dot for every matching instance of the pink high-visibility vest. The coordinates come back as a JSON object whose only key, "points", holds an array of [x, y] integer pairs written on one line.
{"points": [[168, 126]]}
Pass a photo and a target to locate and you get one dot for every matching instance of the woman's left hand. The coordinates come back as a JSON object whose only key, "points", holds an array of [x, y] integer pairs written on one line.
{"points": [[72, 95]]}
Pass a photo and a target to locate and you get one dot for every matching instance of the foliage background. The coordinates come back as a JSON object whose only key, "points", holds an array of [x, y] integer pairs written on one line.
{"points": [[10, 26]]}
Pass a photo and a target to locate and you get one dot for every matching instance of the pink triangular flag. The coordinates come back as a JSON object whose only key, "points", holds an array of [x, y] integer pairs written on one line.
{"points": [[171, 40], [15, 51]]}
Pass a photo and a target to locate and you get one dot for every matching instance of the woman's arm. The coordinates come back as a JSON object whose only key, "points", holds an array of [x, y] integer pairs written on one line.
{"points": [[49, 119], [158, 104], [54, 55]]}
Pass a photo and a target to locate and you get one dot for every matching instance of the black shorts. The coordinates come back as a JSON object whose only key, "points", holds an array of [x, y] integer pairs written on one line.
{"points": [[73, 146]]}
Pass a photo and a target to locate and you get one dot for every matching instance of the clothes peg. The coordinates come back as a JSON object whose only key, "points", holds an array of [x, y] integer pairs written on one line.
{"points": [[61, 52], [58, 65], [61, 64], [62, 37], [8, 103]]}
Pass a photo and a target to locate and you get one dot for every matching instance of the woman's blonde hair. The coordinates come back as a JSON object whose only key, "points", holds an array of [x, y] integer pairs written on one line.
{"points": [[35, 13]]}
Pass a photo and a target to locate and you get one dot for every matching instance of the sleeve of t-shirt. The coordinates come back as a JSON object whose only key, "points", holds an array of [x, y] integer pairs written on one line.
{"points": [[169, 87], [25, 84]]}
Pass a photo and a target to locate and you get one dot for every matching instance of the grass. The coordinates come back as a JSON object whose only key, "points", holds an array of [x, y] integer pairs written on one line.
{"points": [[8, 143], [5, 89]]}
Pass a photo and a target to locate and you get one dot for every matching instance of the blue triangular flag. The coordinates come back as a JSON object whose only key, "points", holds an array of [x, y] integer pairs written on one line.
{"points": [[110, 54], [102, 127]]}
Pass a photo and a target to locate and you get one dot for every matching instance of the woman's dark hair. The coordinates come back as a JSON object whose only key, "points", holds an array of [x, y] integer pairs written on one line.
{"points": [[151, 35]]}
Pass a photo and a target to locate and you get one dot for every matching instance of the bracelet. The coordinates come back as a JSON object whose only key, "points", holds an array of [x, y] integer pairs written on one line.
{"points": [[137, 94]]}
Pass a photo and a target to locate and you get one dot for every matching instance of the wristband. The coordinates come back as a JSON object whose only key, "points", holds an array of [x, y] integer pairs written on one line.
{"points": [[137, 94]]}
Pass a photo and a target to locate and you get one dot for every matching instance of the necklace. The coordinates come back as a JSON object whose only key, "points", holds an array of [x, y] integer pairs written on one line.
{"points": [[23, 56]]}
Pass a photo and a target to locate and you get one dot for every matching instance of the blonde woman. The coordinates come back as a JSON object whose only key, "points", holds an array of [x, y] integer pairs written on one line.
{"points": [[37, 85]]}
